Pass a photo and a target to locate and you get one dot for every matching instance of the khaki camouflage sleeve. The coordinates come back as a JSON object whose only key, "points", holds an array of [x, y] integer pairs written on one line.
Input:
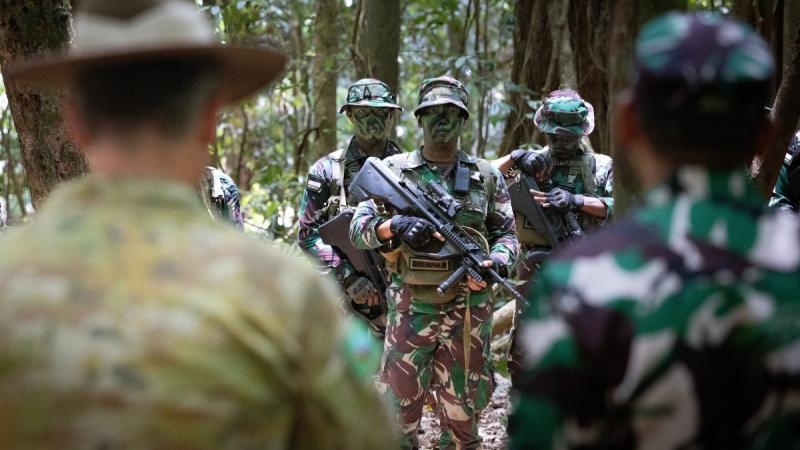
{"points": [[362, 227], [500, 224], [338, 406]]}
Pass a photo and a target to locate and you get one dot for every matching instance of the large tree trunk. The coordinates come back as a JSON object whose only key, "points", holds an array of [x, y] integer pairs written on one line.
{"points": [[33, 28], [785, 115], [378, 40], [324, 76]]}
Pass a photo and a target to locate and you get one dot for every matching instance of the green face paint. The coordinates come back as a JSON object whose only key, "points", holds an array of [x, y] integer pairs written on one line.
{"points": [[371, 124], [441, 123]]}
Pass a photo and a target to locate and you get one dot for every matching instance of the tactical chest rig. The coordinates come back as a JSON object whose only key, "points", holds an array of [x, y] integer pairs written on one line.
{"points": [[424, 270], [579, 172]]}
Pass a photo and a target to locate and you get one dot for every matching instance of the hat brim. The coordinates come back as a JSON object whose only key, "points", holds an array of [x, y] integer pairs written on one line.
{"points": [[244, 70], [441, 101], [551, 127], [370, 104]]}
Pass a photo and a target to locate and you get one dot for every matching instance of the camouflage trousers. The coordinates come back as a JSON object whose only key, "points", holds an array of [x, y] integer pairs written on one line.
{"points": [[425, 351]]}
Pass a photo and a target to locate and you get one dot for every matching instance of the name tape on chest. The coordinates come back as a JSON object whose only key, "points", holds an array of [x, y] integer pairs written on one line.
{"points": [[428, 264]]}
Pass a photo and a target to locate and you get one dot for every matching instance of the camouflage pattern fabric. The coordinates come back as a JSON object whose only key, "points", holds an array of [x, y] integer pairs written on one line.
{"points": [[222, 197], [314, 213], [371, 93], [424, 345], [565, 112], [676, 328], [786, 194], [129, 319]]}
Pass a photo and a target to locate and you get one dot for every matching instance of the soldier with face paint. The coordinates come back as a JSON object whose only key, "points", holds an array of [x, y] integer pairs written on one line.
{"points": [[372, 109], [439, 341]]}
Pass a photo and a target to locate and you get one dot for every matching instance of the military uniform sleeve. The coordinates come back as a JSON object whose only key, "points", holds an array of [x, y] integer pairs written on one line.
{"points": [[338, 406], [502, 231], [575, 353], [362, 227], [316, 194], [780, 195]]}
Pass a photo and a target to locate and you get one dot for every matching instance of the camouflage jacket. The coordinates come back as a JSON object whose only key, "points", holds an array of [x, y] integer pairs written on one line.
{"points": [[478, 212], [129, 319], [222, 197], [676, 328], [786, 194], [590, 174], [315, 211]]}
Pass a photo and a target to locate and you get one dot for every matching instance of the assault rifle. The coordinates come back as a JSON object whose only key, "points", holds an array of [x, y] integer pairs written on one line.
{"points": [[554, 226], [336, 233], [432, 203]]}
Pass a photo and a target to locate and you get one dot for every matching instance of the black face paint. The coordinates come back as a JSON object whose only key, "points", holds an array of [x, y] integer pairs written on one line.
{"points": [[371, 124], [563, 146], [442, 123]]}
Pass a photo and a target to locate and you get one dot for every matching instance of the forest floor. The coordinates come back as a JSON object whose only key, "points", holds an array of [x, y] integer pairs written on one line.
{"points": [[492, 426]]}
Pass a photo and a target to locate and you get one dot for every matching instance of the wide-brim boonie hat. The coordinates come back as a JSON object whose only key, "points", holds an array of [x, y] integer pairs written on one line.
{"points": [[565, 112], [119, 32], [371, 93]]}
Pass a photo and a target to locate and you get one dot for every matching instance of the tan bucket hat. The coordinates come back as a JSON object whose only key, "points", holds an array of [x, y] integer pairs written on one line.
{"points": [[116, 32]]}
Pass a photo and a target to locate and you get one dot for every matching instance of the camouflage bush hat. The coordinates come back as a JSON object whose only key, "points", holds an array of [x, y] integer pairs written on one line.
{"points": [[442, 91], [702, 65], [565, 112], [370, 92]]}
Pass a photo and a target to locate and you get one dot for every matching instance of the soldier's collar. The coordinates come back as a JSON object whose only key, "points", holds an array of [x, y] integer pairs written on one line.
{"points": [[355, 152], [416, 159], [701, 183]]}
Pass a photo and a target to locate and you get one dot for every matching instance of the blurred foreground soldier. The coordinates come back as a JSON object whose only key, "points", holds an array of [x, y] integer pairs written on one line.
{"points": [[372, 109], [678, 327], [432, 340], [221, 196], [786, 194], [128, 319]]}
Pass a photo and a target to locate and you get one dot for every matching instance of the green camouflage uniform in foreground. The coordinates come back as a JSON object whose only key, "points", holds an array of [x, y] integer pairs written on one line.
{"points": [[150, 326], [678, 327], [425, 341]]}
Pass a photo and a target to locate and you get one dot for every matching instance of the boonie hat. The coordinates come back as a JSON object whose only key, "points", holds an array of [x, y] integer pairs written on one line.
{"points": [[442, 91], [119, 32], [370, 92], [565, 112]]}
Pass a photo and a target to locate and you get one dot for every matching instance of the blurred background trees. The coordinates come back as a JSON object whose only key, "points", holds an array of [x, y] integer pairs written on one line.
{"points": [[509, 54]]}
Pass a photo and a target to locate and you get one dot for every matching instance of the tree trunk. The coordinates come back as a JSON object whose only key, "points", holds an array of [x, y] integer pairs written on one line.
{"points": [[378, 40], [325, 75], [528, 71], [33, 28], [785, 115]]}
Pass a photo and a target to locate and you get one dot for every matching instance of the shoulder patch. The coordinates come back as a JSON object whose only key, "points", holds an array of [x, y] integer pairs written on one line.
{"points": [[314, 183]]}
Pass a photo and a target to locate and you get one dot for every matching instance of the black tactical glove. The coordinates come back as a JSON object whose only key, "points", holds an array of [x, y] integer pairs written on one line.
{"points": [[562, 201], [414, 231], [529, 161], [359, 289], [499, 266]]}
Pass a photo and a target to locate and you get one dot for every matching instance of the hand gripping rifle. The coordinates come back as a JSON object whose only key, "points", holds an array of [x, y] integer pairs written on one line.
{"points": [[555, 227], [375, 181], [336, 233]]}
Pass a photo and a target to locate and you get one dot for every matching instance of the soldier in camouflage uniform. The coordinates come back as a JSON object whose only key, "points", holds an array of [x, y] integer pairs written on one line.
{"points": [[786, 194], [221, 197], [578, 181], [372, 109], [128, 318], [679, 326], [441, 342]]}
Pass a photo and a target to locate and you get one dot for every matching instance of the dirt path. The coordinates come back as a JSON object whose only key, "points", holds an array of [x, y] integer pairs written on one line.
{"points": [[492, 426]]}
